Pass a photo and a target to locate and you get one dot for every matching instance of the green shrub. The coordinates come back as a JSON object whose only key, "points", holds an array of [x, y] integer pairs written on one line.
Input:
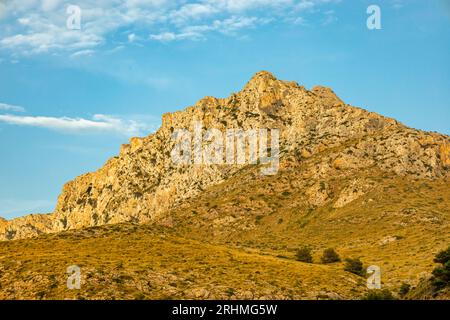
{"points": [[404, 289], [304, 255], [330, 256], [441, 274], [379, 294], [229, 292], [354, 266]]}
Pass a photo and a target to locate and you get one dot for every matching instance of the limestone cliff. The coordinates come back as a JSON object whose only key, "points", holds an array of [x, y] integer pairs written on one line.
{"points": [[24, 227], [142, 182]]}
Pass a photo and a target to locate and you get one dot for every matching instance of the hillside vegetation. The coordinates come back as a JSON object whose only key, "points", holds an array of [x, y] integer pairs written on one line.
{"points": [[351, 183]]}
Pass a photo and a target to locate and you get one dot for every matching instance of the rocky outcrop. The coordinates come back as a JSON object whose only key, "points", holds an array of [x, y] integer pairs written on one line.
{"points": [[25, 227], [142, 182], [353, 191], [444, 150]]}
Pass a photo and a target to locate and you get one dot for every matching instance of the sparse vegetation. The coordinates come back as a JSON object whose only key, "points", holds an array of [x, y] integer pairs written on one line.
{"points": [[441, 274], [404, 289], [304, 255], [230, 292], [152, 262], [330, 256], [354, 266], [380, 294]]}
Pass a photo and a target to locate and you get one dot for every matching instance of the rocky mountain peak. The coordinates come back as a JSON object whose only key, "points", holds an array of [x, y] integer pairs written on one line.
{"points": [[260, 82]]}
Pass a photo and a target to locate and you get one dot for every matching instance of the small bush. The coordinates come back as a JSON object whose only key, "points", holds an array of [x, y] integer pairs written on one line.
{"points": [[354, 266], [330, 256], [379, 294], [304, 255], [229, 292], [441, 274], [139, 296], [404, 289]]}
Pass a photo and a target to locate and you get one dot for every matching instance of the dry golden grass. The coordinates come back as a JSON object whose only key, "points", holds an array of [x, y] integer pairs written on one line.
{"points": [[399, 225], [149, 262]]}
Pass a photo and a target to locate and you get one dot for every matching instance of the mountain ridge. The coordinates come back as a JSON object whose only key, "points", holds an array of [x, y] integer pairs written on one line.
{"points": [[141, 184]]}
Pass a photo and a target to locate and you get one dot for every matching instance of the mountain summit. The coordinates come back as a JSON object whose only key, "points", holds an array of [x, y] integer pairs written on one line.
{"points": [[319, 133]]}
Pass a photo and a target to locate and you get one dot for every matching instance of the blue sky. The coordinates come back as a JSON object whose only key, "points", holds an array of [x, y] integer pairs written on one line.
{"points": [[69, 98]]}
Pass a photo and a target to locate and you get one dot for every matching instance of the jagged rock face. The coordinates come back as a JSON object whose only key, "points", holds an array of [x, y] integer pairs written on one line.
{"points": [[142, 182], [25, 227]]}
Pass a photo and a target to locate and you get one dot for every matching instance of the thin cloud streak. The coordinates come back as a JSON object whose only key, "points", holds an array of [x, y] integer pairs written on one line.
{"points": [[11, 108], [99, 124]]}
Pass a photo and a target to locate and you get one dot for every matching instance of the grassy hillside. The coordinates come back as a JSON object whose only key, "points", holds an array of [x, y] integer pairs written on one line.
{"points": [[398, 224], [239, 238], [148, 262]]}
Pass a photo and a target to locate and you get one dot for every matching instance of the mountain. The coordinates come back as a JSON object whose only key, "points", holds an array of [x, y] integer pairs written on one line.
{"points": [[142, 182], [145, 227]]}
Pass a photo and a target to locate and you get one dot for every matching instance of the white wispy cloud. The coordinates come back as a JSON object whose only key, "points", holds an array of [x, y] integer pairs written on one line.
{"points": [[37, 27], [11, 108], [229, 26], [86, 52], [99, 123], [193, 11], [170, 36], [132, 37], [48, 5], [329, 17]]}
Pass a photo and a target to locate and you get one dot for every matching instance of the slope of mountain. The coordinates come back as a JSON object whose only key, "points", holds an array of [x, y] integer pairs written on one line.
{"points": [[127, 261], [142, 182], [397, 223]]}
